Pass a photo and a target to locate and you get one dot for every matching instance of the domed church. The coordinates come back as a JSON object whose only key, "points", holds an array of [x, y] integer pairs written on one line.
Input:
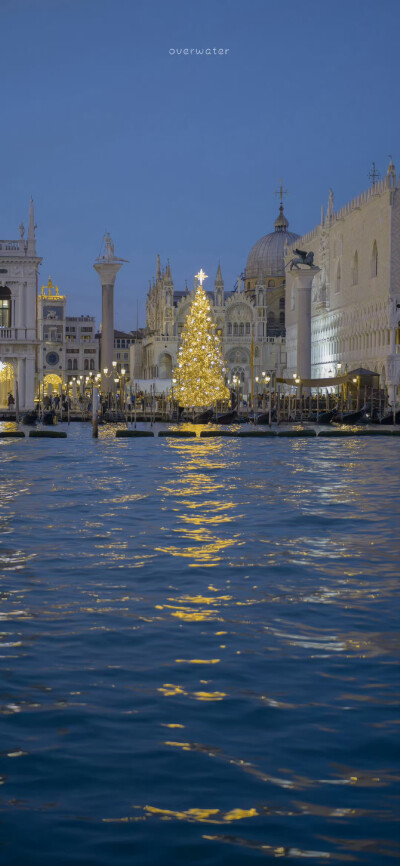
{"points": [[253, 310]]}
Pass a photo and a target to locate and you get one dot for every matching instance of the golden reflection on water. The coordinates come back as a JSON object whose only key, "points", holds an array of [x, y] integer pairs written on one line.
{"points": [[201, 501]]}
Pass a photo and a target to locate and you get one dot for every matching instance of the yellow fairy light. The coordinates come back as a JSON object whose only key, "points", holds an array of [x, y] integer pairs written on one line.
{"points": [[200, 370]]}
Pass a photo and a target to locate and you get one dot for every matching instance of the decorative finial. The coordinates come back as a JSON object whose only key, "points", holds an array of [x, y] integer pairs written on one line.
{"points": [[21, 230], [374, 174], [201, 276], [281, 191]]}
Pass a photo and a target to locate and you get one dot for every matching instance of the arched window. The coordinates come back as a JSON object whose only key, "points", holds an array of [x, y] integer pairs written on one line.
{"points": [[235, 329], [229, 328], [91, 365], [338, 277], [86, 364], [248, 286], [281, 303], [374, 261], [282, 317], [69, 364], [241, 329], [354, 274], [5, 307], [75, 364], [271, 284], [260, 299], [247, 327]]}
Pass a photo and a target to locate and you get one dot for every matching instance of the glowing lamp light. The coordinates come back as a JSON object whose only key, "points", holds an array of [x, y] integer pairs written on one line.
{"points": [[123, 372], [105, 371]]}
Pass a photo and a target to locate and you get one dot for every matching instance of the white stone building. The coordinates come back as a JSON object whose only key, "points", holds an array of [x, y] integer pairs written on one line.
{"points": [[356, 295], [255, 310], [19, 265]]}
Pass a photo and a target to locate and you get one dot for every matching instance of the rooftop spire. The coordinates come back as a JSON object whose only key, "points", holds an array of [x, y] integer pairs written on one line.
{"points": [[218, 279], [158, 272], [391, 174], [281, 223]]}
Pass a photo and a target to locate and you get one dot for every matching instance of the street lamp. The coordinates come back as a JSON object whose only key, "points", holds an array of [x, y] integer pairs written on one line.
{"points": [[255, 407]]}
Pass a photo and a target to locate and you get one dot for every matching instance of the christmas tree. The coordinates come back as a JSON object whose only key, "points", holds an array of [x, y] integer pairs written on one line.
{"points": [[199, 377]]}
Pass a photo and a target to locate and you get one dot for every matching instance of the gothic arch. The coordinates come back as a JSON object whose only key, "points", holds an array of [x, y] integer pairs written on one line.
{"points": [[165, 366], [338, 280], [354, 274], [374, 260]]}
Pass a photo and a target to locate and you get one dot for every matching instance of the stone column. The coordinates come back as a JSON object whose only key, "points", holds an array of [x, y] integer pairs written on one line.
{"points": [[302, 281], [107, 271]]}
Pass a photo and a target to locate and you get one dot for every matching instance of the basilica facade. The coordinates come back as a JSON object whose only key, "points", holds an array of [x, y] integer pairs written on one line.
{"points": [[249, 319], [356, 294]]}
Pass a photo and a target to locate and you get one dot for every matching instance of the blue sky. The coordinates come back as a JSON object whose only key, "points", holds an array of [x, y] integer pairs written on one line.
{"points": [[181, 155]]}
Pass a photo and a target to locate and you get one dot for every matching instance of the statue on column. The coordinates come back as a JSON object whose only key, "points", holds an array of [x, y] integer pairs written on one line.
{"points": [[302, 258], [109, 246]]}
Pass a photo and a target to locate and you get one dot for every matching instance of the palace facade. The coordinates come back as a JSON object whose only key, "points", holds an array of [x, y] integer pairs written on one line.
{"points": [[356, 294]]}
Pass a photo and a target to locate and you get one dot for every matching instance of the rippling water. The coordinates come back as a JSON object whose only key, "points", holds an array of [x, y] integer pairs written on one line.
{"points": [[199, 651]]}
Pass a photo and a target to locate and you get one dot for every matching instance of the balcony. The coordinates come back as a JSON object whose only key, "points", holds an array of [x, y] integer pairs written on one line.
{"points": [[17, 334]]}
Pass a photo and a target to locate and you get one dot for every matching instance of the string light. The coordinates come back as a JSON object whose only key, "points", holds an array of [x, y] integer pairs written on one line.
{"points": [[200, 370]]}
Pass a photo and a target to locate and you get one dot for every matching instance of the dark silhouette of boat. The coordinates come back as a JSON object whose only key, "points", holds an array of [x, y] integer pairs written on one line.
{"points": [[388, 419], [349, 417], [204, 417], [227, 418], [323, 417], [29, 418], [49, 417], [263, 418]]}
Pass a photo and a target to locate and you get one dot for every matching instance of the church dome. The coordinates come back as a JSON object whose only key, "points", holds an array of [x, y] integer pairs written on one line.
{"points": [[266, 257]]}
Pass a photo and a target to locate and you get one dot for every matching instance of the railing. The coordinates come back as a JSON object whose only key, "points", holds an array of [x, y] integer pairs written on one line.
{"points": [[12, 247], [15, 334]]}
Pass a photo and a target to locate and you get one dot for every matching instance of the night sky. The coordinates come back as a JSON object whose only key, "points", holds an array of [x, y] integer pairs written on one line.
{"points": [[181, 154]]}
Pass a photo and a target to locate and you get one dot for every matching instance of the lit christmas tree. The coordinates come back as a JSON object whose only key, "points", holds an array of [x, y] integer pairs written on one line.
{"points": [[199, 377]]}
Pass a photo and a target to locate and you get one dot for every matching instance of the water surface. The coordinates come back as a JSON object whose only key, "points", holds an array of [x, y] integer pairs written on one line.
{"points": [[199, 651]]}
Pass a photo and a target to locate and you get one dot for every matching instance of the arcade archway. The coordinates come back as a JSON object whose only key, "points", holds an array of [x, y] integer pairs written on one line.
{"points": [[7, 382], [52, 385]]}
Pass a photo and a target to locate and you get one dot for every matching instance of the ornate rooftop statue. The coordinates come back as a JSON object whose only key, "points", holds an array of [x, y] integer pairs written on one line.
{"points": [[303, 258], [109, 246]]}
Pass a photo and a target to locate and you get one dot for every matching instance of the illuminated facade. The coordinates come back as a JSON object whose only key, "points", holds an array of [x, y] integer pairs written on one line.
{"points": [[255, 309], [68, 347], [356, 295], [19, 265]]}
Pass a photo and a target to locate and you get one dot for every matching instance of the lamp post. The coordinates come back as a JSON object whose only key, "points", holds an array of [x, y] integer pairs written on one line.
{"points": [[172, 398], [255, 408]]}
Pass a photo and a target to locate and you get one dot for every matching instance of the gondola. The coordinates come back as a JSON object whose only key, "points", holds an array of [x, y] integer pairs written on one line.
{"points": [[388, 419], [29, 418], [227, 418], [323, 417], [49, 417], [204, 417], [263, 418], [349, 417]]}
